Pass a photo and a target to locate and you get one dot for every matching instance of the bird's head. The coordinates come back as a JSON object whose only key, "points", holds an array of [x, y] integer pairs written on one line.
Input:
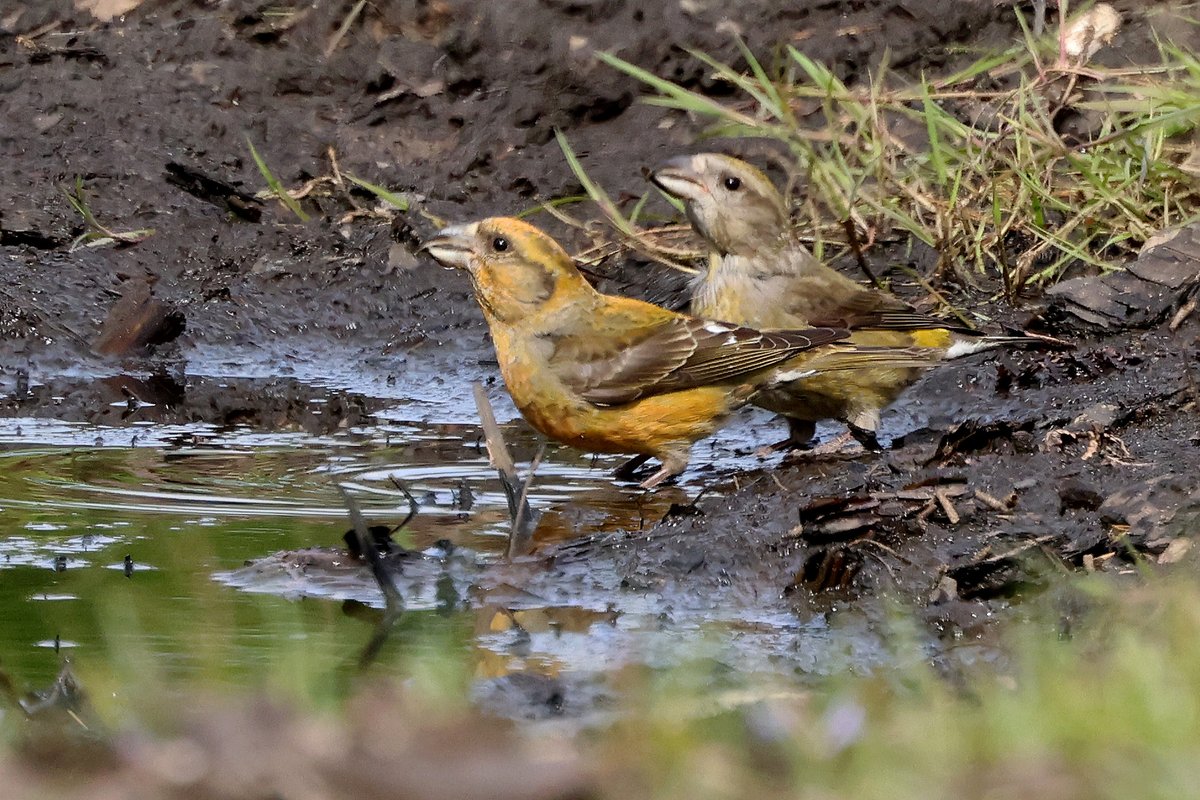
{"points": [[733, 205], [515, 268]]}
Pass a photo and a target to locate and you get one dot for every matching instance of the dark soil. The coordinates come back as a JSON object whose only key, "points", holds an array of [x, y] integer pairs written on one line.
{"points": [[454, 103], [1009, 468]]}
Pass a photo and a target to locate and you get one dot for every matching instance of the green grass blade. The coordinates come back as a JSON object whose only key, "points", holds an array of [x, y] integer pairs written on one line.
{"points": [[557, 202], [1012, 56], [936, 157], [598, 195], [389, 197], [683, 99], [275, 186], [818, 74], [780, 108], [637, 208]]}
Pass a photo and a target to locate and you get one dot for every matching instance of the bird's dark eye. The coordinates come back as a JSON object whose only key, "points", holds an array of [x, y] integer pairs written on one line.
{"points": [[733, 183], [499, 244]]}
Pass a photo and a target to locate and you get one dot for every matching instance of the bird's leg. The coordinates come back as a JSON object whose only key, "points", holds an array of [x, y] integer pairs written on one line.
{"points": [[672, 464], [866, 437], [626, 471], [800, 436], [665, 473], [801, 432], [863, 426]]}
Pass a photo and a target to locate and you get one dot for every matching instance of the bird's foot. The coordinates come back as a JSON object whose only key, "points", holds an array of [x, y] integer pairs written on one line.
{"points": [[628, 470], [845, 444], [866, 437], [800, 438], [673, 465], [787, 446], [663, 475], [841, 445]]}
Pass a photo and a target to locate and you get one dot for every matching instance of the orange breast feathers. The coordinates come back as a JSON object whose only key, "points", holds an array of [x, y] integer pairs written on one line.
{"points": [[649, 425]]}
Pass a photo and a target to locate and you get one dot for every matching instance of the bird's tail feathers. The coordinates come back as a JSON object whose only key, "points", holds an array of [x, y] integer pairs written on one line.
{"points": [[966, 346], [841, 356]]}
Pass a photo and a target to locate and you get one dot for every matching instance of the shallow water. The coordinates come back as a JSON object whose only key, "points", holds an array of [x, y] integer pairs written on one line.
{"points": [[123, 546], [189, 505], [186, 503]]}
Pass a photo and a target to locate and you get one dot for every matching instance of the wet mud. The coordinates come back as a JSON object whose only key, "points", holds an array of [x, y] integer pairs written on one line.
{"points": [[1003, 470], [451, 103]]}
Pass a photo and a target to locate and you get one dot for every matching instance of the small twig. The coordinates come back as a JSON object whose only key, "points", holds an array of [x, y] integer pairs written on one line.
{"points": [[522, 528], [947, 506], [1062, 31], [497, 449], [856, 248], [563, 216], [515, 491], [1183, 313], [876, 543], [344, 28], [393, 600], [333, 164], [413, 506], [991, 501], [883, 562], [28, 39], [1065, 97]]}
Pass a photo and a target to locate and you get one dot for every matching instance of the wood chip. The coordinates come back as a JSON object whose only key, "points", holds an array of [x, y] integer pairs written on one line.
{"points": [[845, 525], [995, 503], [1183, 313], [1141, 295], [107, 10], [947, 507], [1176, 550], [930, 492]]}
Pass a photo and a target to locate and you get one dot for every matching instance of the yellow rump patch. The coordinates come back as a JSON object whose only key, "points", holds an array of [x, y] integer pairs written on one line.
{"points": [[932, 337]]}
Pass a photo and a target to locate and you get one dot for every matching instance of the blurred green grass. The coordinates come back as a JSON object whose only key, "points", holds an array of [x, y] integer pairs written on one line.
{"points": [[1096, 694], [1110, 709]]}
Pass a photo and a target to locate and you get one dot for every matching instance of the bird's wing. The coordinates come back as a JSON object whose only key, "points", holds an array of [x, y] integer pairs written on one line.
{"points": [[901, 320], [834, 304], [674, 353]]}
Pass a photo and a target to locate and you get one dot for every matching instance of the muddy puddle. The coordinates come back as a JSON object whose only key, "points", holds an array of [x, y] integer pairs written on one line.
{"points": [[191, 520], [153, 537]]}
